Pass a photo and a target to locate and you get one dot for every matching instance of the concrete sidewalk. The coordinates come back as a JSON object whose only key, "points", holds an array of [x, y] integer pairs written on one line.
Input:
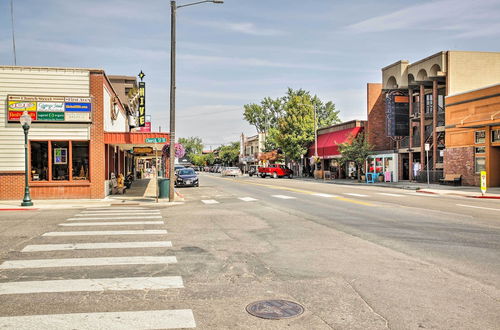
{"points": [[465, 191]]}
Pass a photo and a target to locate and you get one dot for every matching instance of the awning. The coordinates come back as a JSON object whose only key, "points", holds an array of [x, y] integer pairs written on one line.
{"points": [[328, 143], [128, 140]]}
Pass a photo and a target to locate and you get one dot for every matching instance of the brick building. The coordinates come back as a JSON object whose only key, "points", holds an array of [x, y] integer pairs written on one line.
{"points": [[415, 101], [79, 135]]}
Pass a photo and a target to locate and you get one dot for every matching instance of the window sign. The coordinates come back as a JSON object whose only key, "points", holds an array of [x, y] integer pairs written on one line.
{"points": [[60, 155], [480, 164], [480, 137], [495, 135], [480, 150]]}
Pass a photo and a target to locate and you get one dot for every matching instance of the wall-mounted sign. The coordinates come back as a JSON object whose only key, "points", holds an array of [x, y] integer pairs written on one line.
{"points": [[142, 104], [50, 109], [143, 150]]}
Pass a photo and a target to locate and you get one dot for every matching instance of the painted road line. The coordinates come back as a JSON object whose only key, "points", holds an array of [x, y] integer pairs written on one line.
{"points": [[422, 194], [324, 195], [95, 246], [119, 218], [283, 196], [479, 207], [109, 214], [99, 284], [209, 201], [159, 319], [354, 201], [356, 195], [115, 223], [247, 199], [83, 262], [392, 195], [107, 232]]}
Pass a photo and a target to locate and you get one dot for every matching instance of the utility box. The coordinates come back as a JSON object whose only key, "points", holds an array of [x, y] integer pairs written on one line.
{"points": [[164, 188]]}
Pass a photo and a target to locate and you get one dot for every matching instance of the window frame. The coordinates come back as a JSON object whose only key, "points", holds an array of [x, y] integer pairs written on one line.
{"points": [[493, 135], [476, 134], [475, 164], [49, 180]]}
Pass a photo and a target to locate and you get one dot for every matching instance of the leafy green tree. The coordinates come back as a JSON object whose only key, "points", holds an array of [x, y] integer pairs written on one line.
{"points": [[229, 154], [193, 146], [357, 150]]}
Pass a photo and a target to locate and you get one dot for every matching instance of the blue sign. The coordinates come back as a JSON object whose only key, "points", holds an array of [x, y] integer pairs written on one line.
{"points": [[78, 106]]}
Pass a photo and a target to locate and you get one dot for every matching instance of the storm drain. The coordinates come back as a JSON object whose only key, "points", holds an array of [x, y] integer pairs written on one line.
{"points": [[275, 309]]}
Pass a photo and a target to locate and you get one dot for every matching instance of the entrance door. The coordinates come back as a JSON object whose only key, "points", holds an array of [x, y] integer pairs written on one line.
{"points": [[494, 167], [406, 168]]}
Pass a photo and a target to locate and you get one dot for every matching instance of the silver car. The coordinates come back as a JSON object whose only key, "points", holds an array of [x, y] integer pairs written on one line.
{"points": [[231, 171]]}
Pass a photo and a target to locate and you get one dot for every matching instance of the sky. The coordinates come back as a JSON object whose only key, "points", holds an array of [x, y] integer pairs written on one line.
{"points": [[239, 52]]}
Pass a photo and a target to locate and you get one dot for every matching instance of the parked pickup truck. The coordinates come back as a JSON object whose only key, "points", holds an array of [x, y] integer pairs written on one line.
{"points": [[276, 171]]}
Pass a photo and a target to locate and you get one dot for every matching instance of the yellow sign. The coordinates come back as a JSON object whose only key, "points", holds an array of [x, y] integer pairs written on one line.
{"points": [[483, 182], [22, 106]]}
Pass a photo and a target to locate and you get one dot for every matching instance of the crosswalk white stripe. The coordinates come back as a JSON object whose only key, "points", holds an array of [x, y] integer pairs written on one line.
{"points": [[113, 208], [247, 199], [325, 195], [95, 246], [209, 201], [283, 196], [109, 214], [112, 223], [159, 319], [422, 194], [82, 262], [107, 232], [357, 195], [118, 210], [392, 195], [99, 284], [479, 207], [118, 218]]}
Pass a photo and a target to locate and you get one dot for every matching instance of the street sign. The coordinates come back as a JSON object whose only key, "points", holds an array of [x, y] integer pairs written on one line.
{"points": [[483, 182], [427, 147], [155, 140]]}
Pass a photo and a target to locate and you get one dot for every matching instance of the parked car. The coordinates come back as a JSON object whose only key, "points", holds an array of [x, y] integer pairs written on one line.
{"points": [[178, 167], [253, 170], [231, 171], [186, 177], [275, 171]]}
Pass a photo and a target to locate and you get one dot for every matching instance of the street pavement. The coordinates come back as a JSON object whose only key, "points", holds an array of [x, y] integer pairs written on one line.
{"points": [[355, 257]]}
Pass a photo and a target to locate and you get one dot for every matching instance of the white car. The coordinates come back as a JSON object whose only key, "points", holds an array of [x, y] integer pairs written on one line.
{"points": [[231, 171]]}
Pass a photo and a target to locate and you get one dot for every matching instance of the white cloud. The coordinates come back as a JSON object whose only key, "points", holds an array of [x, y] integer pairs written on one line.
{"points": [[241, 27]]}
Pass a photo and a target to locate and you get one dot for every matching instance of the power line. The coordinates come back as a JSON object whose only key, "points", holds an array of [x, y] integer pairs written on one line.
{"points": [[13, 36]]}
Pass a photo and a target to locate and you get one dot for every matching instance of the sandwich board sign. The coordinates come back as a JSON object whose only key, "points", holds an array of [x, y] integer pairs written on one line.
{"points": [[483, 182]]}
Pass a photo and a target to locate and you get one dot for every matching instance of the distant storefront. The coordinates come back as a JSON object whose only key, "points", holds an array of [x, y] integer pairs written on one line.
{"points": [[70, 151]]}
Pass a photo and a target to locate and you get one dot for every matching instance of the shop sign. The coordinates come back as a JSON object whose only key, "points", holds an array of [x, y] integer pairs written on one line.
{"points": [[50, 106], [16, 115], [50, 116], [142, 104], [143, 150], [483, 182], [76, 116]]}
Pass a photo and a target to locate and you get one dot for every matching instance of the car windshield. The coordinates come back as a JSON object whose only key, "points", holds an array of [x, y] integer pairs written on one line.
{"points": [[186, 171]]}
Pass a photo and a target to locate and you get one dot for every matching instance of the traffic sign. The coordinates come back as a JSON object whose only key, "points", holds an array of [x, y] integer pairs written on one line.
{"points": [[155, 140], [483, 182]]}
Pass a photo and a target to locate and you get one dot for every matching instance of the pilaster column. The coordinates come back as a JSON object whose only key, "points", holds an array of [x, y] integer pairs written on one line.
{"points": [[410, 153], [422, 126], [434, 123]]}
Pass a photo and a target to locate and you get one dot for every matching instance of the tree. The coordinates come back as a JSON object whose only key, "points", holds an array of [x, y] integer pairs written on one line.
{"points": [[192, 145], [357, 150], [229, 154]]}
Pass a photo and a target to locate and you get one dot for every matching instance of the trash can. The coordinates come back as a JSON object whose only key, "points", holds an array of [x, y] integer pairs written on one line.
{"points": [[163, 188]]}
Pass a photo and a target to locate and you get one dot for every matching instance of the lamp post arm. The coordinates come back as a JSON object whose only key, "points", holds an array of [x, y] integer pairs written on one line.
{"points": [[194, 3]]}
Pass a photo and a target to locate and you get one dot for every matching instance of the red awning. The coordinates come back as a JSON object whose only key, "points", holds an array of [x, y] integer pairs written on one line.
{"points": [[328, 143], [137, 138]]}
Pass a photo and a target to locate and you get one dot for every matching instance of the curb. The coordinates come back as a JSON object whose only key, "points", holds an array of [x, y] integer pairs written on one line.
{"points": [[485, 197], [19, 209]]}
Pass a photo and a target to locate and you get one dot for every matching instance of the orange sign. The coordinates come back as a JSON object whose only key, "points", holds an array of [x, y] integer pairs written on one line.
{"points": [[16, 115], [401, 99]]}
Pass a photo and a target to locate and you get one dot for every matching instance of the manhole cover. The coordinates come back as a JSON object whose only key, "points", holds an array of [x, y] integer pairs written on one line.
{"points": [[275, 309]]}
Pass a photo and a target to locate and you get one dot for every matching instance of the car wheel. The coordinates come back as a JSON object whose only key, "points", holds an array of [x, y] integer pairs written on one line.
{"points": [[275, 175], [250, 175], [262, 176], [290, 176]]}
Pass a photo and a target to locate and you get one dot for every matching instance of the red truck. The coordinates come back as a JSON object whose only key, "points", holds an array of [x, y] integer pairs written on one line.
{"points": [[276, 171]]}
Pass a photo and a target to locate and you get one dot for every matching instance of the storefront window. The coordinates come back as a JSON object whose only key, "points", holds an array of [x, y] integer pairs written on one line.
{"points": [[480, 164], [39, 161], [80, 157], [60, 165], [480, 150], [480, 137], [387, 164], [379, 165], [495, 135]]}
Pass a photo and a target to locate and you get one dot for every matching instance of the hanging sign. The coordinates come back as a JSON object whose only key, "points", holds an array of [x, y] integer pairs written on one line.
{"points": [[50, 109], [142, 104], [483, 182]]}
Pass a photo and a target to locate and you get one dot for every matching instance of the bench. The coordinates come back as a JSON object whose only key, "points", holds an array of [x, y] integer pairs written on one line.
{"points": [[452, 179]]}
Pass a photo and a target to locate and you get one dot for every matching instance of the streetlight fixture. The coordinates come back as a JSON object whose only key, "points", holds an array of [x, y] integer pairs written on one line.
{"points": [[171, 170], [25, 123]]}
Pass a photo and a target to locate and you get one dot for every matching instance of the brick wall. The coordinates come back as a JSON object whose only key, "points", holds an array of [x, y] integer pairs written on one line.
{"points": [[461, 161], [377, 134], [97, 151], [12, 186]]}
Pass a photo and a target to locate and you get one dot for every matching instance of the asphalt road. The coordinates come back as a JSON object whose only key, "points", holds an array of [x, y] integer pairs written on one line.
{"points": [[354, 257]]}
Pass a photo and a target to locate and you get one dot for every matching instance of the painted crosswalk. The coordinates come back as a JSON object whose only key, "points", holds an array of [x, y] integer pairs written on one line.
{"points": [[209, 201], [95, 246], [283, 197], [89, 285], [93, 219], [247, 199], [325, 195], [391, 195], [159, 319], [355, 195]]}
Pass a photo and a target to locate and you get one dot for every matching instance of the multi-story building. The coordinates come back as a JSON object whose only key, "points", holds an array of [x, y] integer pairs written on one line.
{"points": [[251, 148], [415, 102]]}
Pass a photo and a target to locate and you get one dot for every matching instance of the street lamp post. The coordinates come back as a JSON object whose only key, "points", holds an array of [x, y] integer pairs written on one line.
{"points": [[25, 123], [315, 142], [174, 7]]}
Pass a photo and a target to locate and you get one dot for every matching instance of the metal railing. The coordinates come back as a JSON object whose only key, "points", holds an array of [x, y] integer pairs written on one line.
{"points": [[434, 176]]}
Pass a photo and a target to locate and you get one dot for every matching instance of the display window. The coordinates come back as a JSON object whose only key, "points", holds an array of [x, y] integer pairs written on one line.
{"points": [[479, 137], [480, 164], [56, 161], [495, 135]]}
